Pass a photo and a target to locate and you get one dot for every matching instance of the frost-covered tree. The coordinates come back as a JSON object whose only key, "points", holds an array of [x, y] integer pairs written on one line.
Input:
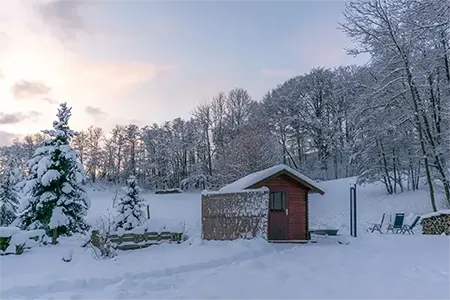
{"points": [[93, 151], [54, 184], [130, 207], [408, 42], [251, 151], [132, 134], [9, 200]]}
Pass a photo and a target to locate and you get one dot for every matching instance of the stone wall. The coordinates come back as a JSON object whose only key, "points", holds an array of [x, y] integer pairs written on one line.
{"points": [[436, 223], [229, 216]]}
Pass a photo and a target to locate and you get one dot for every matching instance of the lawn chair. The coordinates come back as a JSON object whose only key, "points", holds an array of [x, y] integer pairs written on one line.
{"points": [[409, 228], [398, 223], [377, 226]]}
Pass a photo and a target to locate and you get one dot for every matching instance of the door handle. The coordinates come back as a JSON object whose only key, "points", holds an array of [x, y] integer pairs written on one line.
{"points": [[287, 211]]}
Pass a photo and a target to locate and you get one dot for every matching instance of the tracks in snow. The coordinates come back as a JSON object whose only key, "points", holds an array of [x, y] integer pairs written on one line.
{"points": [[93, 284]]}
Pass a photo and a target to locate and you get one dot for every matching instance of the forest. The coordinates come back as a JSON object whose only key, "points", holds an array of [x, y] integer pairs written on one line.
{"points": [[387, 121]]}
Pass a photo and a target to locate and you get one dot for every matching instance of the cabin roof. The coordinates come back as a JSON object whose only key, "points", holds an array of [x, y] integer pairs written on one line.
{"points": [[275, 171]]}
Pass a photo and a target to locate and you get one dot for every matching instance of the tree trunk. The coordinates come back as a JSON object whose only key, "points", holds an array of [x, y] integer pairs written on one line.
{"points": [[385, 167], [55, 236]]}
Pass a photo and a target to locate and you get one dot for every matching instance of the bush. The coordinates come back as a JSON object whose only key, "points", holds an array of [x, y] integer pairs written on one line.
{"points": [[4, 243], [12, 240], [99, 240]]}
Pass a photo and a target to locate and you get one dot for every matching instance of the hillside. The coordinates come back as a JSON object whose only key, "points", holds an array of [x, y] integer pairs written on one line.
{"points": [[328, 211], [333, 209], [394, 264]]}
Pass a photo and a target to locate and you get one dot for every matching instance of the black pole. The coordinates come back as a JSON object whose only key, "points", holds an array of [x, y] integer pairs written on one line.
{"points": [[351, 211], [353, 225], [354, 211]]}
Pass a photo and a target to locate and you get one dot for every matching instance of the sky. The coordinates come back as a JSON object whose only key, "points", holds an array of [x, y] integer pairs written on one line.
{"points": [[121, 62]]}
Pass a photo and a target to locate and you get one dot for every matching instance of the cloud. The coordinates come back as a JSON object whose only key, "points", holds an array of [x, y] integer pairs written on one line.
{"points": [[6, 138], [14, 118], [63, 17], [95, 112], [277, 73], [31, 89], [50, 100], [10, 118], [120, 74]]}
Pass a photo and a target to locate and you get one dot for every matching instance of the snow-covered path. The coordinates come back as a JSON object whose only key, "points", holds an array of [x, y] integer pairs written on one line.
{"points": [[42, 269], [373, 266]]}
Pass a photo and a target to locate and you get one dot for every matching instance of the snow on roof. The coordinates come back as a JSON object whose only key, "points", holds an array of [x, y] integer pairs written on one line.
{"points": [[263, 189], [437, 213], [256, 177]]}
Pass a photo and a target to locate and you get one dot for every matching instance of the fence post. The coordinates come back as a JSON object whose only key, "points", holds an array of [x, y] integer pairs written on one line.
{"points": [[148, 212]]}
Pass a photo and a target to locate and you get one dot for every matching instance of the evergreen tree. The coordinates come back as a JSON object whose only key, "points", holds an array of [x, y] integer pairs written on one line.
{"points": [[54, 183], [9, 200], [130, 207]]}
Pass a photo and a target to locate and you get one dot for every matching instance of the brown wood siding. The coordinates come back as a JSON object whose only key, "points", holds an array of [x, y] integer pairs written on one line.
{"points": [[307, 213], [297, 204]]}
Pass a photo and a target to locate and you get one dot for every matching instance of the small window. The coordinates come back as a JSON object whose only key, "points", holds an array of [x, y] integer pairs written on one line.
{"points": [[277, 201]]}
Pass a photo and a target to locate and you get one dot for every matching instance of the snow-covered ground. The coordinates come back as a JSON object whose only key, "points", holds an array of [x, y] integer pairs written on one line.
{"points": [[333, 209], [370, 266]]}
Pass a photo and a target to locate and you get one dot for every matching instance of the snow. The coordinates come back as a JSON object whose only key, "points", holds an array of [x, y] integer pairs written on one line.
{"points": [[44, 164], [437, 213], [48, 196], [256, 177], [40, 233], [374, 266], [130, 206], [239, 269], [54, 168], [155, 225], [8, 231], [18, 238], [49, 177], [28, 186], [58, 218], [332, 210], [67, 188], [263, 189]]}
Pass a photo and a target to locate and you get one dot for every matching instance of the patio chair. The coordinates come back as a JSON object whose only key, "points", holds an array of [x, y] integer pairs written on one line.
{"points": [[398, 223], [409, 228], [377, 226]]}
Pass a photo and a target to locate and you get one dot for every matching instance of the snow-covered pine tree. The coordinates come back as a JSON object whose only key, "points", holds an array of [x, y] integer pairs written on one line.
{"points": [[130, 207], [54, 184], [9, 200]]}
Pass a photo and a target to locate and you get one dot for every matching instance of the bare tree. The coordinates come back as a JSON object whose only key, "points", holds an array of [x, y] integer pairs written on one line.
{"points": [[93, 151]]}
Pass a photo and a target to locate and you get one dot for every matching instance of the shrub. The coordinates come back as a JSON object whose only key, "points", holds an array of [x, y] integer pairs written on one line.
{"points": [[99, 240]]}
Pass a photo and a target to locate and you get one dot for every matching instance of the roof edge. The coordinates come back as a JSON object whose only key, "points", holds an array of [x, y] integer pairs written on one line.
{"points": [[293, 176]]}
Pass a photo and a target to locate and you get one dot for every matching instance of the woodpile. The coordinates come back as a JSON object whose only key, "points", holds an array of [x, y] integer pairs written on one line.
{"points": [[235, 215], [437, 223]]}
